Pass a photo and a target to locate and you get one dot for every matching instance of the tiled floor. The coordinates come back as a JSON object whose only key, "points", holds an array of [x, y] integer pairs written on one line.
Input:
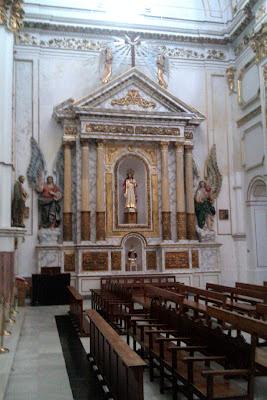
{"points": [[39, 370]]}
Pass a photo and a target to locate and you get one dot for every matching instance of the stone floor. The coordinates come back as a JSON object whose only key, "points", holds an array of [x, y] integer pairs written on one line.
{"points": [[39, 371]]}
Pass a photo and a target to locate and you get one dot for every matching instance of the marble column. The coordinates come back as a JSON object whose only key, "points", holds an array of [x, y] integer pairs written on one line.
{"points": [[85, 211], [180, 192], [165, 198], [190, 206], [100, 193], [67, 213]]}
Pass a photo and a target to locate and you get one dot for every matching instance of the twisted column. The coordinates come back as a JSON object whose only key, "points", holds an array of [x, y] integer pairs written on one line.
{"points": [[100, 193], [190, 206], [165, 198], [180, 192], [85, 210]]}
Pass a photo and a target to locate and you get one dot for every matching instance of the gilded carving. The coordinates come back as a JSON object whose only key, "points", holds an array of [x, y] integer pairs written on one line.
{"points": [[115, 260], [230, 76], [70, 130], [181, 225], [209, 54], [258, 43], [176, 260], [151, 260], [153, 130], [102, 128], [95, 261], [69, 262], [133, 97], [188, 135], [11, 14]]}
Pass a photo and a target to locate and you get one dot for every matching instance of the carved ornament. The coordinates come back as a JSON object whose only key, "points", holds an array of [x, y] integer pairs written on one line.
{"points": [[180, 52], [133, 97], [176, 260], [11, 14], [71, 43], [188, 135], [230, 76], [130, 129], [258, 43], [153, 130], [70, 130]]}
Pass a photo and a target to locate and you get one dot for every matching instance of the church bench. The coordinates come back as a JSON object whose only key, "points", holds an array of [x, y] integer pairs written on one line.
{"points": [[76, 307], [121, 368], [251, 286], [198, 366], [203, 295]]}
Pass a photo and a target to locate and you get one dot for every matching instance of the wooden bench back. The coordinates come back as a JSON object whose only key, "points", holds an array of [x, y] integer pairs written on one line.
{"points": [[240, 322], [239, 293], [163, 294], [121, 368], [202, 294], [251, 286]]}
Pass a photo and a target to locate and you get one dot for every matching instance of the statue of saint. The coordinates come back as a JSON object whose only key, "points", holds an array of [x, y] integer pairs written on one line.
{"points": [[132, 259], [161, 61], [204, 208], [129, 190], [49, 203], [107, 65], [18, 203]]}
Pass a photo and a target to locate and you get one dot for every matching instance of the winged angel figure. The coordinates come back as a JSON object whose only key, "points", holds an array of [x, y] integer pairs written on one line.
{"points": [[206, 193], [49, 193]]}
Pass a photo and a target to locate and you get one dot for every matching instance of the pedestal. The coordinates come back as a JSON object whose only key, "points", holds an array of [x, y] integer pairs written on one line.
{"points": [[130, 217]]}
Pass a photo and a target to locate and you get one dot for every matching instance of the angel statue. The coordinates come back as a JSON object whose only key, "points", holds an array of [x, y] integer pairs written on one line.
{"points": [[161, 69], [107, 65], [205, 195], [49, 193]]}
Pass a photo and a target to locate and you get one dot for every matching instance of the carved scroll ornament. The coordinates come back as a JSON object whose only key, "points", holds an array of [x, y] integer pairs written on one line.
{"points": [[133, 97]]}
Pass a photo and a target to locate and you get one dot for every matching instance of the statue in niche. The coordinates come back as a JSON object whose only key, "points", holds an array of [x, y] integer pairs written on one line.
{"points": [[49, 203], [205, 195], [18, 204], [49, 193], [129, 190], [161, 69], [108, 57], [132, 259]]}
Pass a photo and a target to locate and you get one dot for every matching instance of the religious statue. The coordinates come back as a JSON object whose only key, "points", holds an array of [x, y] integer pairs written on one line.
{"points": [[18, 203], [205, 195], [132, 259], [107, 65], [161, 68], [129, 190], [203, 206], [49, 194], [49, 203]]}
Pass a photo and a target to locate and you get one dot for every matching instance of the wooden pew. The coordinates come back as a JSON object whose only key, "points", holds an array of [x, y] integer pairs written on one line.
{"points": [[76, 307], [138, 279], [251, 286], [207, 356], [120, 367]]}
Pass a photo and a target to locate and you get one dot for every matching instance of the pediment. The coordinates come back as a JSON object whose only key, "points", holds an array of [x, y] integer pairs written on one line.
{"points": [[132, 92]]}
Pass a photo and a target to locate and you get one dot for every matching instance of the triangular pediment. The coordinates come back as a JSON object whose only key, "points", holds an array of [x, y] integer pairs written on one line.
{"points": [[132, 92]]}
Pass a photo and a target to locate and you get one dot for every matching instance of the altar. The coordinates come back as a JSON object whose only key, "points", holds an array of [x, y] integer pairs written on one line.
{"points": [[128, 177]]}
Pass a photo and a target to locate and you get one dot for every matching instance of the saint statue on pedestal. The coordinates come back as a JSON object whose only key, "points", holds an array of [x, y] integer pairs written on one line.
{"points": [[129, 190], [49, 199], [18, 203]]}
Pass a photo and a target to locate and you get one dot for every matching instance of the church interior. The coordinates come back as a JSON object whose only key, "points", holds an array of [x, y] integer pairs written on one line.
{"points": [[133, 199]]}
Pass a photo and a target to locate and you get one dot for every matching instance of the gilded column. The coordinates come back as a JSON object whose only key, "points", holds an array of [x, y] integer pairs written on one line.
{"points": [[180, 192], [190, 206], [67, 213], [100, 193], [85, 211], [165, 200]]}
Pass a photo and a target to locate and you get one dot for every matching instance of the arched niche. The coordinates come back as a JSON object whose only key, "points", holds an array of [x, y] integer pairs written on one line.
{"points": [[134, 242], [141, 175], [257, 222]]}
